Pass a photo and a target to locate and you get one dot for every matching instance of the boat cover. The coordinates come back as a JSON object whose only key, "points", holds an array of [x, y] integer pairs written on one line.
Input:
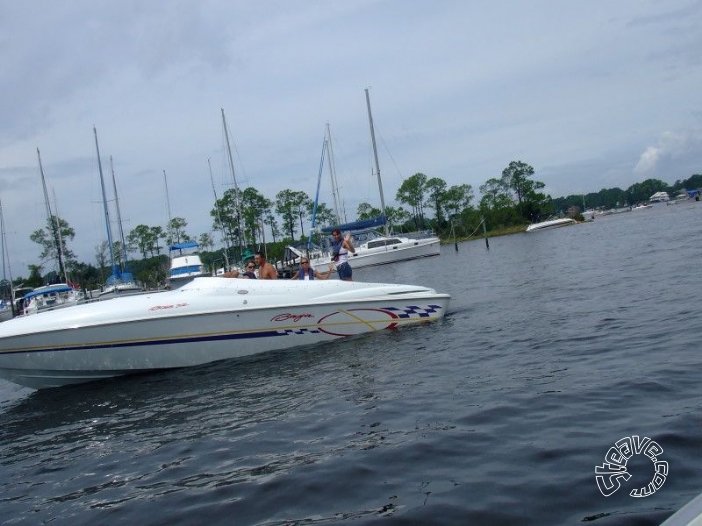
{"points": [[364, 224], [184, 245]]}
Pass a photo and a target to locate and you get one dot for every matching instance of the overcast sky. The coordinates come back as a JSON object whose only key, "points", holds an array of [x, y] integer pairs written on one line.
{"points": [[591, 94]]}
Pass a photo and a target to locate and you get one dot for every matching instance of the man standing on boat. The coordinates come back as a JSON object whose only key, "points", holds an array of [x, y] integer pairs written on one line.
{"points": [[265, 269], [340, 250]]}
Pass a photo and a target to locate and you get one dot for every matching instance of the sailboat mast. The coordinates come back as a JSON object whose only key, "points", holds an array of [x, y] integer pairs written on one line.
{"points": [[119, 216], [53, 221], [6, 258], [58, 235], [332, 175], [377, 165], [316, 197], [219, 219], [237, 197], [168, 208], [104, 204]]}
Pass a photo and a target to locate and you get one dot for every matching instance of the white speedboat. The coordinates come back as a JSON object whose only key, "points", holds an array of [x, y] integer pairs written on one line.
{"points": [[206, 320], [551, 223]]}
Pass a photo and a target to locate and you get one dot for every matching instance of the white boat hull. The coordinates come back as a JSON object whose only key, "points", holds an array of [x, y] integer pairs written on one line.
{"points": [[208, 320], [410, 249], [553, 223], [407, 250]]}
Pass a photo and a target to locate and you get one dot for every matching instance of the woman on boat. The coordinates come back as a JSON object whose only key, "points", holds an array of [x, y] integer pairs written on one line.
{"points": [[306, 272], [250, 268], [341, 246], [247, 274]]}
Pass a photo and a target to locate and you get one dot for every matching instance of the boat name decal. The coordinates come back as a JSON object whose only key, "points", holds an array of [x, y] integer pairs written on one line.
{"points": [[293, 317], [166, 307]]}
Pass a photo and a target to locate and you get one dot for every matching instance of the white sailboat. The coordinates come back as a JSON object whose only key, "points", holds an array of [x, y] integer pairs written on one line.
{"points": [[118, 283], [55, 295], [373, 248]]}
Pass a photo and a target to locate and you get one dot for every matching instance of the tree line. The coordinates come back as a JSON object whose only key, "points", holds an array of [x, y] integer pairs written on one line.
{"points": [[241, 218]]}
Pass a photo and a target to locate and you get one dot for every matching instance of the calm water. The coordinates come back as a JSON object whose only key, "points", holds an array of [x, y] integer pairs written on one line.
{"points": [[558, 344]]}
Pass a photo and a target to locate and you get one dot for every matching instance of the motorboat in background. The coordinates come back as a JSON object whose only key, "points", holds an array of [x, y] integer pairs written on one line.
{"points": [[551, 223], [50, 297], [206, 320], [659, 197], [186, 264], [120, 284], [641, 206]]}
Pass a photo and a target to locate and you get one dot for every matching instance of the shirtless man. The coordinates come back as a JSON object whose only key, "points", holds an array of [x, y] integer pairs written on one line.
{"points": [[265, 269]]}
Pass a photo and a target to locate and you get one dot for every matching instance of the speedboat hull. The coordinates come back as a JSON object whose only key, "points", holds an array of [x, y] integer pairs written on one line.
{"points": [[553, 223], [207, 320]]}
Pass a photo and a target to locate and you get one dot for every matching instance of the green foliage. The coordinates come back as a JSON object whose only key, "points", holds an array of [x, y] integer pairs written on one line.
{"points": [[411, 192], [35, 278], [436, 188], [291, 205], [54, 240], [609, 198], [254, 208], [367, 211], [175, 231], [507, 202], [325, 215], [86, 275], [531, 204]]}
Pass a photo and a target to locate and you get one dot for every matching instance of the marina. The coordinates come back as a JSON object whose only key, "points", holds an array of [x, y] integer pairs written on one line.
{"points": [[484, 417]]}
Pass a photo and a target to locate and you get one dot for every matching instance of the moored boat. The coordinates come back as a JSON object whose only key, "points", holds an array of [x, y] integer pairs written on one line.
{"points": [[186, 264], [49, 297], [551, 223], [206, 320]]}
